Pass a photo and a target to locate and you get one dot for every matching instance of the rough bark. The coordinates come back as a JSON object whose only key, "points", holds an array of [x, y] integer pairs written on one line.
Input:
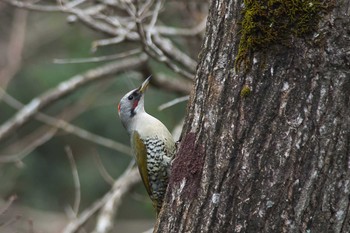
{"points": [[274, 160]]}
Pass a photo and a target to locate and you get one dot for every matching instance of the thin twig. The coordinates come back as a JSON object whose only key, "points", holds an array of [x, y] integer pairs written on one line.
{"points": [[14, 48], [11, 221], [152, 24], [31, 147], [65, 88], [72, 129], [45, 8], [169, 49], [155, 52], [175, 85], [8, 204], [97, 59], [67, 8], [172, 31], [108, 211], [75, 3], [121, 186], [111, 41], [45, 133], [75, 179], [173, 102], [35, 7], [149, 230], [102, 169], [176, 132], [163, 51], [145, 7]]}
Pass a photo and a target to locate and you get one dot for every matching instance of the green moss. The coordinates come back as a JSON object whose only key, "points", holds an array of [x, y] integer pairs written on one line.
{"points": [[245, 92], [268, 22]]}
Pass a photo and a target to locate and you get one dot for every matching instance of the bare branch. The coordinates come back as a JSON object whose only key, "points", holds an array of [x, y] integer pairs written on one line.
{"points": [[172, 31], [168, 48], [72, 129], [8, 204], [115, 40], [45, 133], [15, 47], [91, 23], [150, 50], [82, 133], [145, 7], [45, 8], [173, 102], [97, 59], [108, 211], [177, 85], [149, 230], [153, 21], [35, 7], [162, 50], [176, 132], [67, 8], [31, 147], [75, 3], [155, 52], [103, 171], [120, 188], [75, 179], [66, 87]]}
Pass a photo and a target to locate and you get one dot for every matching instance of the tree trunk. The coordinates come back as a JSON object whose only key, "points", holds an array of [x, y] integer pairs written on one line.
{"points": [[266, 148]]}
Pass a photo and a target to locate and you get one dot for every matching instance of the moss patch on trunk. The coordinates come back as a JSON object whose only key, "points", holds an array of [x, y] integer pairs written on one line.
{"points": [[268, 22]]}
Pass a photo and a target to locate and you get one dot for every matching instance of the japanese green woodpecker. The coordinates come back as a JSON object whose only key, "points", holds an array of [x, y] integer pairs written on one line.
{"points": [[151, 142]]}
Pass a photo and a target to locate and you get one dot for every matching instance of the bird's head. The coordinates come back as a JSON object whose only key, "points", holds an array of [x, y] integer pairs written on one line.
{"points": [[132, 104]]}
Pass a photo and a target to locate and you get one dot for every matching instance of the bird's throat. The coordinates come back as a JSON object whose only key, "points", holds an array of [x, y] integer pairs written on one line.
{"points": [[133, 112]]}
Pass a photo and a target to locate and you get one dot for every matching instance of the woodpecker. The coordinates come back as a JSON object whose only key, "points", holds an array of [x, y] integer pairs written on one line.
{"points": [[152, 144]]}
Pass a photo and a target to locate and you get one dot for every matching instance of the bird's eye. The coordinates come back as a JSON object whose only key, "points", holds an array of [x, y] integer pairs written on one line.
{"points": [[130, 97]]}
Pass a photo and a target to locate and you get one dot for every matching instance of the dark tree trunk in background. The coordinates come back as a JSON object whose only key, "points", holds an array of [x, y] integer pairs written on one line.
{"points": [[276, 159]]}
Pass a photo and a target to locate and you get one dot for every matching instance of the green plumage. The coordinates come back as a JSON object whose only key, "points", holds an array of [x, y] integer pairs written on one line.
{"points": [[153, 156], [140, 152]]}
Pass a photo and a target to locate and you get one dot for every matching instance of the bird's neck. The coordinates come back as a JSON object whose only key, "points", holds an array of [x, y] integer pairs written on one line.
{"points": [[139, 119], [146, 125]]}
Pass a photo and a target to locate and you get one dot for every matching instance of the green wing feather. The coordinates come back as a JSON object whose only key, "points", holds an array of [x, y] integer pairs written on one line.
{"points": [[140, 152]]}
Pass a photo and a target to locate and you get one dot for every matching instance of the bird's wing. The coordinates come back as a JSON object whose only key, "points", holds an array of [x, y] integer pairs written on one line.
{"points": [[140, 152]]}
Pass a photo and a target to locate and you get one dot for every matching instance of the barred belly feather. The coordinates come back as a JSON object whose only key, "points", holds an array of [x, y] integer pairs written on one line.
{"points": [[153, 160], [157, 166]]}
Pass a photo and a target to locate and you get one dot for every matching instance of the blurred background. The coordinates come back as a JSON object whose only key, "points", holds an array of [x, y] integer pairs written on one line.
{"points": [[37, 189]]}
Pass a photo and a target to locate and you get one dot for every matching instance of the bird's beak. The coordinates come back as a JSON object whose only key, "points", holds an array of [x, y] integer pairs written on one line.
{"points": [[144, 85]]}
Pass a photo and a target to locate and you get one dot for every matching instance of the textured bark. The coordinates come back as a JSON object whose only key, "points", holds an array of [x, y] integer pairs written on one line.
{"points": [[278, 159]]}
